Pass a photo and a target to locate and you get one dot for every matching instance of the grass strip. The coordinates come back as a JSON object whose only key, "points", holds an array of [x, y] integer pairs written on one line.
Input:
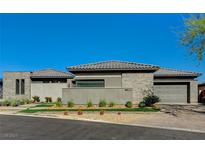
{"points": [[44, 105], [93, 110]]}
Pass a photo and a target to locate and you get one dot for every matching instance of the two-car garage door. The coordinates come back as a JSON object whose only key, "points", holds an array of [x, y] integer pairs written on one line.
{"points": [[174, 93]]}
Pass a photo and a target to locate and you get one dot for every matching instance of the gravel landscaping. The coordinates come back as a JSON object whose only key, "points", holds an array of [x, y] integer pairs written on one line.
{"points": [[171, 116]]}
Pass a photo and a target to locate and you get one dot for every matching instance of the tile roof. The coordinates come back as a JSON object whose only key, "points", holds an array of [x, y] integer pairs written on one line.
{"points": [[51, 73], [172, 72], [112, 66], [202, 84]]}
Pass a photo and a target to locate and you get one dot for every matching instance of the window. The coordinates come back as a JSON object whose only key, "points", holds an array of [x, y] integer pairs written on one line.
{"points": [[22, 86], [17, 87], [90, 83], [46, 81]]}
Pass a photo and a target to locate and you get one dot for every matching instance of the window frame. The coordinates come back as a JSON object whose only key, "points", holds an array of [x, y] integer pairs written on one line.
{"points": [[22, 86], [89, 81], [17, 84]]}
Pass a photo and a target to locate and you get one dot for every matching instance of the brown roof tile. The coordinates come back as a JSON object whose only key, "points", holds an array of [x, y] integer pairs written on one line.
{"points": [[112, 66], [172, 72], [46, 73]]}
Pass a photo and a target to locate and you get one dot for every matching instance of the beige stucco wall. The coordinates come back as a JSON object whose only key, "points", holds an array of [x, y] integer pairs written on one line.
{"points": [[9, 85], [43, 90], [82, 95], [139, 82]]}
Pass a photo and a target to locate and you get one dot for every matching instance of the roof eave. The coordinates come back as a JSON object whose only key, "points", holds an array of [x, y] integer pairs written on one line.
{"points": [[177, 75], [43, 77]]}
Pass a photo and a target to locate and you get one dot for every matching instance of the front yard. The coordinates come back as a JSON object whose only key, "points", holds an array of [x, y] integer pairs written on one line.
{"points": [[170, 116], [186, 117]]}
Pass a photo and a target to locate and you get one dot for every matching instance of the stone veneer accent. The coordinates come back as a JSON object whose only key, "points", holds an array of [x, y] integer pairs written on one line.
{"points": [[9, 85], [193, 91], [139, 82]]}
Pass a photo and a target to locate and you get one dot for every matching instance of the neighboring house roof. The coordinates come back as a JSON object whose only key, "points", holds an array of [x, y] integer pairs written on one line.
{"points": [[51, 73], [162, 72], [112, 66], [202, 84]]}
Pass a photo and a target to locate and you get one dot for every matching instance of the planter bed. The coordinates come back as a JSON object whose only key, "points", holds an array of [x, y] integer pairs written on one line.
{"points": [[146, 109]]}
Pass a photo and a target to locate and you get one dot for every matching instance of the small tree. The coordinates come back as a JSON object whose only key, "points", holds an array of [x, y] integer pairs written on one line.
{"points": [[36, 98], [150, 98], [193, 35]]}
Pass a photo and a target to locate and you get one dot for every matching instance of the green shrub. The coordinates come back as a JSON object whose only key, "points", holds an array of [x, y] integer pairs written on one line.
{"points": [[111, 104], [59, 99], [14, 103], [25, 101], [6, 103], [59, 104], [150, 100], [89, 104], [102, 103], [48, 99], [21, 102], [141, 104], [129, 104], [70, 104], [36, 98]]}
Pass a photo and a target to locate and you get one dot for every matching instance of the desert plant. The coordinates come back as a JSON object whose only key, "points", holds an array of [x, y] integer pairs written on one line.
{"points": [[70, 104], [36, 98], [89, 104], [58, 104], [24, 101], [141, 104], [14, 103], [48, 99], [6, 103], [102, 103], [111, 104], [28, 101], [80, 112], [65, 113], [129, 104], [59, 99], [149, 100], [21, 102], [102, 112]]}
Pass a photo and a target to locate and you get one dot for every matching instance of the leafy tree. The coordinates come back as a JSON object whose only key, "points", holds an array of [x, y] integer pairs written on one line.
{"points": [[193, 35]]}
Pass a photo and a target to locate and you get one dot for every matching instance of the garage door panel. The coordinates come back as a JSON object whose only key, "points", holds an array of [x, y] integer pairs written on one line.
{"points": [[171, 93]]}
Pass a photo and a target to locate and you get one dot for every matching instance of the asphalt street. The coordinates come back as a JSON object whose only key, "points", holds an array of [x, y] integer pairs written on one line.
{"points": [[34, 128]]}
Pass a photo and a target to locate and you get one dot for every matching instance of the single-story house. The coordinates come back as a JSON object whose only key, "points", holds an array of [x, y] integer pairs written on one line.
{"points": [[115, 81]]}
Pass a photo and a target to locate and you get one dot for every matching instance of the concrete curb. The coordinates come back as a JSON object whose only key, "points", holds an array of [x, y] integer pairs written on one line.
{"points": [[108, 122]]}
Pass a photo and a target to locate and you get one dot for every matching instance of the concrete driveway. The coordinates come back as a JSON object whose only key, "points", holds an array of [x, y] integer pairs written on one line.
{"points": [[22, 127]]}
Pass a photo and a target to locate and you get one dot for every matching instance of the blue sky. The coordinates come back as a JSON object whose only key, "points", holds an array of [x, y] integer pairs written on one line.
{"points": [[35, 41]]}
